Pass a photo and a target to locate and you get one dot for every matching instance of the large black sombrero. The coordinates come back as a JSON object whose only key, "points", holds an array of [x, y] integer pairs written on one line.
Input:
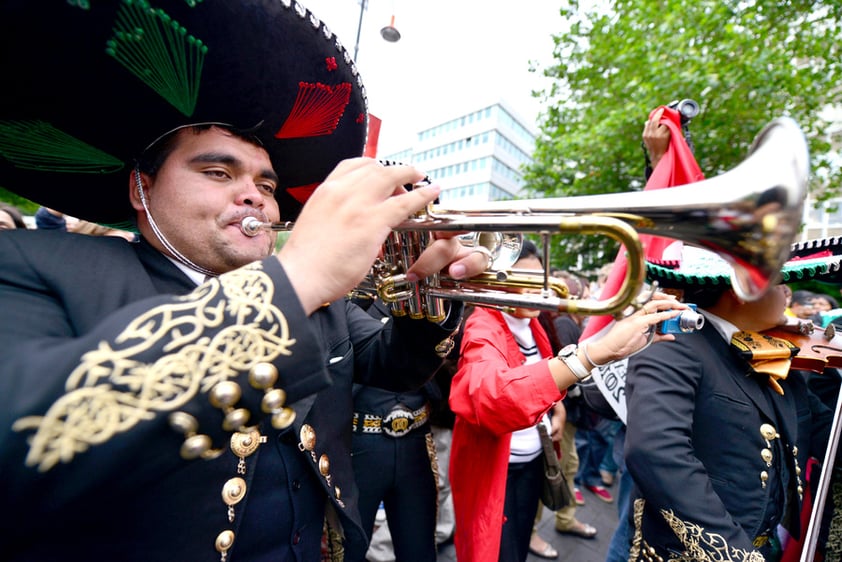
{"points": [[89, 85], [699, 269]]}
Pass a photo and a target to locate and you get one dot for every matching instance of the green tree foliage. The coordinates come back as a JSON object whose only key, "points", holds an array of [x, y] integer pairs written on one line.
{"points": [[26, 206], [745, 62]]}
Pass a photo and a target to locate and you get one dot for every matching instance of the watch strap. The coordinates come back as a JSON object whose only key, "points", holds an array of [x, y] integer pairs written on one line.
{"points": [[571, 359]]}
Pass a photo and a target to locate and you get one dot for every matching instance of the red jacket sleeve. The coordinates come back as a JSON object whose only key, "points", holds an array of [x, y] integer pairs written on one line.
{"points": [[492, 387]]}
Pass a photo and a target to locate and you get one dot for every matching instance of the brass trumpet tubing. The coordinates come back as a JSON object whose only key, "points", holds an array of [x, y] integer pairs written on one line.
{"points": [[251, 226], [411, 246], [524, 289], [749, 216], [504, 246], [614, 228], [751, 228], [388, 267]]}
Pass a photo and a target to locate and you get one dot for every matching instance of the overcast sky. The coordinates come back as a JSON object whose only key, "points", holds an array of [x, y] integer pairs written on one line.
{"points": [[452, 56]]}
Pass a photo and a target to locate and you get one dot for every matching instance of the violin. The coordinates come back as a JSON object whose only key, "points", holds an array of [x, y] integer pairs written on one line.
{"points": [[818, 349]]}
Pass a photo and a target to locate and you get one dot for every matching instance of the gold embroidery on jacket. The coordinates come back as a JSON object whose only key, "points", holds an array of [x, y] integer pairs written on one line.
{"points": [[702, 546], [212, 334], [699, 545], [833, 548], [637, 539]]}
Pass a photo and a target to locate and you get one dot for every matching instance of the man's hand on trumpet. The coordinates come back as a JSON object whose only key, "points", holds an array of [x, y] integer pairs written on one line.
{"points": [[341, 230], [446, 251]]}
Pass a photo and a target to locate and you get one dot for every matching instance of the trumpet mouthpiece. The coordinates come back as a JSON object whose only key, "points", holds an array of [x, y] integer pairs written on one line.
{"points": [[251, 226]]}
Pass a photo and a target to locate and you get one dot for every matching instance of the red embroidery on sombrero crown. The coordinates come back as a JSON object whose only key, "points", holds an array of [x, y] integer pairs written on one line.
{"points": [[317, 110], [330, 62], [303, 192]]}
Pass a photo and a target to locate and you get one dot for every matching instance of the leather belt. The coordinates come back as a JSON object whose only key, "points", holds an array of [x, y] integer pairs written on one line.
{"points": [[397, 423]]}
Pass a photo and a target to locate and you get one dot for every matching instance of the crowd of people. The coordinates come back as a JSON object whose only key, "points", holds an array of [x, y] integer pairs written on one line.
{"points": [[178, 389]]}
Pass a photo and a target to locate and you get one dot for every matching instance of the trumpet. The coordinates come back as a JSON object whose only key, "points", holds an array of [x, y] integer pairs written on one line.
{"points": [[749, 215]]}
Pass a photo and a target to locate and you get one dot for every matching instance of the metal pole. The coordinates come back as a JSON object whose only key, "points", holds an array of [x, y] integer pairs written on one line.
{"points": [[811, 537], [359, 29]]}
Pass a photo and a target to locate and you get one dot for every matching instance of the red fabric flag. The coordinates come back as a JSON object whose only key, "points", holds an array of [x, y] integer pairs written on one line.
{"points": [[793, 547], [677, 167], [373, 136]]}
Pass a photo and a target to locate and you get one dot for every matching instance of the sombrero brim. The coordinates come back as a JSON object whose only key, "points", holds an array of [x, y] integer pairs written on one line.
{"points": [[87, 89], [700, 269]]}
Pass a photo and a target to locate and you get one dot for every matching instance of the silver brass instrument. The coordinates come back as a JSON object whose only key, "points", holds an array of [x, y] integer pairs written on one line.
{"points": [[749, 215]]}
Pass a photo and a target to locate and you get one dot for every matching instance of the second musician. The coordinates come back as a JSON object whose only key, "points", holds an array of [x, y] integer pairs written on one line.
{"points": [[718, 439]]}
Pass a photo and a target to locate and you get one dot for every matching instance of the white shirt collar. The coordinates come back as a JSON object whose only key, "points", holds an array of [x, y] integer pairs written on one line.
{"points": [[725, 328], [195, 276]]}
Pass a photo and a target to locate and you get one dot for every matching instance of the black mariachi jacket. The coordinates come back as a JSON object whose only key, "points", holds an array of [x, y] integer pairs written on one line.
{"points": [[716, 455], [102, 340]]}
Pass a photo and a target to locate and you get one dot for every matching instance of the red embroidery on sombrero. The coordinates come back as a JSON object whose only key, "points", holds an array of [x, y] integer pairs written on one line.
{"points": [[817, 255], [669, 264], [361, 118], [331, 64], [317, 110], [303, 192]]}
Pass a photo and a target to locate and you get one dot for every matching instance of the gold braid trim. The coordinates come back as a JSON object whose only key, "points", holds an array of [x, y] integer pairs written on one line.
{"points": [[197, 354], [703, 547], [333, 537], [434, 466], [637, 539], [833, 548], [692, 536]]}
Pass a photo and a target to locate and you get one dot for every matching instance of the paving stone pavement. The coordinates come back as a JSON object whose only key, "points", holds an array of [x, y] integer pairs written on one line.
{"points": [[596, 512]]}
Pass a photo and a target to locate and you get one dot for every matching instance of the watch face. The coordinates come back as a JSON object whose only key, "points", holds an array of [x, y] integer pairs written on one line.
{"points": [[568, 350]]}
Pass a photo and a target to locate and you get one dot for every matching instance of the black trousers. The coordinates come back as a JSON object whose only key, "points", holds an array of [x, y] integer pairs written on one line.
{"points": [[398, 471], [523, 492]]}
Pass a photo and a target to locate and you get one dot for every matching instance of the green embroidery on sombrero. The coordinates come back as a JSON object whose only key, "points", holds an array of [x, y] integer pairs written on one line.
{"points": [[37, 145], [160, 52], [806, 269], [84, 4]]}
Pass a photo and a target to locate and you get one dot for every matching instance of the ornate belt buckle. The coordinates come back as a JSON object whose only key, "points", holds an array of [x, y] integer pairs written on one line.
{"points": [[398, 422]]}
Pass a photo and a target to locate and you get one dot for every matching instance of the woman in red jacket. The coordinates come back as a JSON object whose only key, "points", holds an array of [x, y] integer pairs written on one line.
{"points": [[506, 383]]}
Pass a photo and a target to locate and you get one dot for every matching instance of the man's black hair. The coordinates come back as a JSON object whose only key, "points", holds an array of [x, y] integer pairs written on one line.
{"points": [[154, 156]]}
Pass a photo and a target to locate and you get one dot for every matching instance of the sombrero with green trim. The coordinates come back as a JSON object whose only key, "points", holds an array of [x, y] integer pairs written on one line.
{"points": [[700, 269], [89, 85]]}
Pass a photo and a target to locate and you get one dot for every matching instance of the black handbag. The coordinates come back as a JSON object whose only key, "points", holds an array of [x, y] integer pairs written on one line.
{"points": [[555, 492], [595, 400]]}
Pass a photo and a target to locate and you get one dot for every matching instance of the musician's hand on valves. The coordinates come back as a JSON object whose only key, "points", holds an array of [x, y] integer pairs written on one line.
{"points": [[626, 337], [446, 251], [342, 227]]}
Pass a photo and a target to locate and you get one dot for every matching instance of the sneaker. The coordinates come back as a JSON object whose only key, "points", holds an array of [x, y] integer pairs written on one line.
{"points": [[601, 493], [580, 499]]}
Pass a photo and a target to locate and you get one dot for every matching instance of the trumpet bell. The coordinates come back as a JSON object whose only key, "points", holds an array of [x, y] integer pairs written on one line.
{"points": [[749, 215]]}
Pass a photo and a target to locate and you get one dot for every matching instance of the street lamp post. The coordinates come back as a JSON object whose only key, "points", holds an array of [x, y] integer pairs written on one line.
{"points": [[359, 28], [389, 32]]}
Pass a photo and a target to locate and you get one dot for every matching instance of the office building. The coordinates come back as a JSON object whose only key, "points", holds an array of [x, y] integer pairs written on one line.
{"points": [[477, 156]]}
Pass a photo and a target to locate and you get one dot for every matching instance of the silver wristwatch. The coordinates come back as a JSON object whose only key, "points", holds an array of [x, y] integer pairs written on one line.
{"points": [[571, 359]]}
